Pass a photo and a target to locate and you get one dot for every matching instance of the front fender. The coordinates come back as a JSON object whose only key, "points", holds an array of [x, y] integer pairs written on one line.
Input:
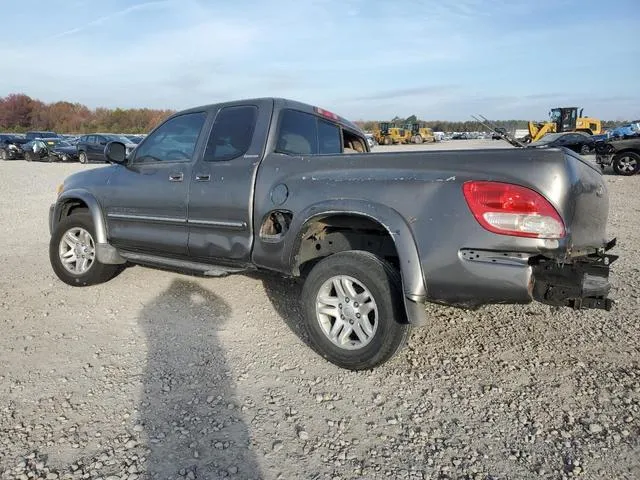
{"points": [[92, 204]]}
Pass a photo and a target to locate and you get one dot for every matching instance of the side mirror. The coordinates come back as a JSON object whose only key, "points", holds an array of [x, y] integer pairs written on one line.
{"points": [[115, 152]]}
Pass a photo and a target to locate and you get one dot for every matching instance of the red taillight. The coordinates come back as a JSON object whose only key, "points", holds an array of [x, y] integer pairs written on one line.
{"points": [[510, 209], [326, 113]]}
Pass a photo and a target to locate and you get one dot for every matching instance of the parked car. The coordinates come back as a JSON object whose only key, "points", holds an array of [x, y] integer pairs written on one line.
{"points": [[461, 136], [498, 133], [622, 155], [91, 147], [135, 138], [36, 134], [370, 140], [36, 150], [579, 142], [64, 152], [265, 184], [11, 147], [625, 131]]}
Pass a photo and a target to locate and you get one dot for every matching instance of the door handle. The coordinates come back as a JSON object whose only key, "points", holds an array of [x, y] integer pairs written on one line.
{"points": [[176, 177], [203, 177]]}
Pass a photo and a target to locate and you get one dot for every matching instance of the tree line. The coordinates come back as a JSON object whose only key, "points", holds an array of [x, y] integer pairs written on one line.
{"points": [[20, 113]]}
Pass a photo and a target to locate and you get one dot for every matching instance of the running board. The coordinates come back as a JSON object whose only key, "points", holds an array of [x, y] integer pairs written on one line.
{"points": [[182, 265]]}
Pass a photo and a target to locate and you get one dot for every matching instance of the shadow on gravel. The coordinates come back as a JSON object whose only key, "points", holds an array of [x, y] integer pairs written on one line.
{"points": [[189, 411], [284, 294]]}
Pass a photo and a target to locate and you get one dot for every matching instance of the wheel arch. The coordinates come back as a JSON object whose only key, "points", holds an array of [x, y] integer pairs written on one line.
{"points": [[387, 222], [627, 150], [72, 200]]}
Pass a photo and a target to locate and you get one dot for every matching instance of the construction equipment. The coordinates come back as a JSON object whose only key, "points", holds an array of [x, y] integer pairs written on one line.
{"points": [[388, 133], [564, 119], [419, 133]]}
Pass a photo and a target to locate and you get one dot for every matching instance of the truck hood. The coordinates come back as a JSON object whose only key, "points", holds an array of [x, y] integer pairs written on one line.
{"points": [[87, 178]]}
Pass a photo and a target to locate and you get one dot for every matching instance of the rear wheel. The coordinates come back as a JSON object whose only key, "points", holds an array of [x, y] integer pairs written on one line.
{"points": [[584, 150], [353, 310], [72, 252], [417, 139], [626, 163], [387, 141], [83, 157], [30, 156]]}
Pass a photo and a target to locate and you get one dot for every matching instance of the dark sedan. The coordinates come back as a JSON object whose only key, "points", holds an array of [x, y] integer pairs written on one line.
{"points": [[579, 142], [64, 151]]}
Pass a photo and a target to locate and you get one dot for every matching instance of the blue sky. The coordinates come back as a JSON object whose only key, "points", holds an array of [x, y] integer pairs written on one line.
{"points": [[364, 59]]}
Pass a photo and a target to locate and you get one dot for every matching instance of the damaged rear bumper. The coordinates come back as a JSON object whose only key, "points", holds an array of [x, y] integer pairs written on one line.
{"points": [[583, 283]]}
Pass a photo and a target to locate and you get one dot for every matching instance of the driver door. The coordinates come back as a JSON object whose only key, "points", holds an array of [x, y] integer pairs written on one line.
{"points": [[146, 203]]}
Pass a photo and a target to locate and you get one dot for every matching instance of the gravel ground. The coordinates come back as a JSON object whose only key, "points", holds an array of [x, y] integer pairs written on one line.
{"points": [[160, 375]]}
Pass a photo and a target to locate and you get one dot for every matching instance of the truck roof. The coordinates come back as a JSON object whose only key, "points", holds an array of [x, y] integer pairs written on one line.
{"points": [[280, 103]]}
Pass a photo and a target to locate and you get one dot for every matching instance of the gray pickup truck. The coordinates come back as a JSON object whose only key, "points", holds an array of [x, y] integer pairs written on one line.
{"points": [[273, 184]]}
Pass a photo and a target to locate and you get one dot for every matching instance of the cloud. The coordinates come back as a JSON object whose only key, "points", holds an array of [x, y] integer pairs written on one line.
{"points": [[409, 92], [437, 59], [119, 13]]}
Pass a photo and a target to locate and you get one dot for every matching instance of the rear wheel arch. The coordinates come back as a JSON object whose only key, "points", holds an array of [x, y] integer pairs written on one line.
{"points": [[384, 220]]}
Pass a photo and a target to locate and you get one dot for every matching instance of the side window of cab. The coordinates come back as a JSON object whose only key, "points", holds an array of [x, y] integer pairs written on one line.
{"points": [[174, 141]]}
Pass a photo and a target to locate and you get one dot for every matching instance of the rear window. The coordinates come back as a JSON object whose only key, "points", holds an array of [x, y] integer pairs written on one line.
{"points": [[305, 134], [231, 133]]}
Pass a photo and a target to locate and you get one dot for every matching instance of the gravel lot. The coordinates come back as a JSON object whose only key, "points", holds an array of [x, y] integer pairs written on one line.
{"points": [[159, 375]]}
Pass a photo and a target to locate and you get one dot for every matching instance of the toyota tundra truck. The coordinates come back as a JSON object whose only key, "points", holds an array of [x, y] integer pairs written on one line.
{"points": [[275, 184]]}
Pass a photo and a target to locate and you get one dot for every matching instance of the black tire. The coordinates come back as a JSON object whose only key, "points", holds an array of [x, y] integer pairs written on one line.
{"points": [[385, 286], [29, 156], [626, 163], [584, 150], [82, 157], [97, 272]]}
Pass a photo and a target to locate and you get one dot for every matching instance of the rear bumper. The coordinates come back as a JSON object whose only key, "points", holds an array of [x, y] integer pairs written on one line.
{"points": [[482, 277], [581, 284]]}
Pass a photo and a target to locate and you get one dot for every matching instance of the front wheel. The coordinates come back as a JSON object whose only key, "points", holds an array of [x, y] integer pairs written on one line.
{"points": [[83, 157], [626, 163], [584, 150], [353, 310], [72, 252]]}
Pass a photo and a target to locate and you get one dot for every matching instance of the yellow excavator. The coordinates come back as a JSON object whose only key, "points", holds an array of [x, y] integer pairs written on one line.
{"points": [[564, 119]]}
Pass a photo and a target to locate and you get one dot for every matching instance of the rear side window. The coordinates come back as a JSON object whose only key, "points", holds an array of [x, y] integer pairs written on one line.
{"points": [[298, 134], [231, 133], [328, 138], [305, 134]]}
